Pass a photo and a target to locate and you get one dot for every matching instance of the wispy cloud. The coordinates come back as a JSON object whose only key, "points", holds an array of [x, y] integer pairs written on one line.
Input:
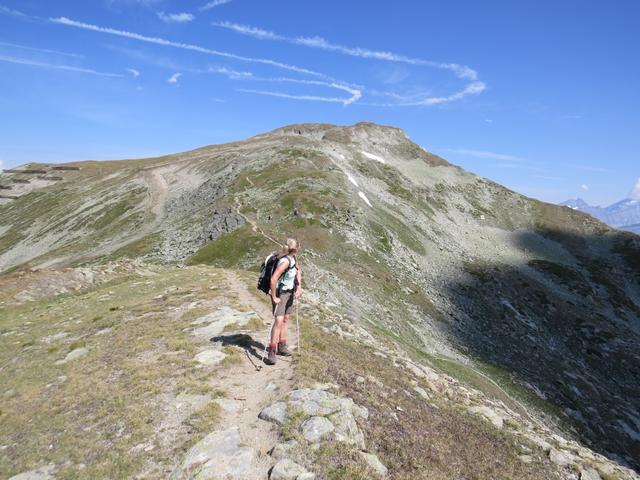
{"points": [[584, 187], [291, 96], [355, 94], [485, 154], [183, 46], [34, 63], [133, 72], [176, 17], [214, 4], [230, 73], [461, 71], [10, 11], [174, 78], [42, 50]]}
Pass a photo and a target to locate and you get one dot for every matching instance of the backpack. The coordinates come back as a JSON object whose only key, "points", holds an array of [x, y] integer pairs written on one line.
{"points": [[266, 272]]}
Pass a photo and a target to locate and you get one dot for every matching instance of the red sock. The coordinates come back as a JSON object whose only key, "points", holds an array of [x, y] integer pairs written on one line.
{"points": [[273, 345], [283, 340]]}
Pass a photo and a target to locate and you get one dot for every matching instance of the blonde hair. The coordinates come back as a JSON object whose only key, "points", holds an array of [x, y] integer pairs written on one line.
{"points": [[290, 244]]}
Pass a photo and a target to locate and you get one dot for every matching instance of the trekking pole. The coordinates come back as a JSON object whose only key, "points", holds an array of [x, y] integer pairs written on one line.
{"points": [[273, 323], [298, 327]]}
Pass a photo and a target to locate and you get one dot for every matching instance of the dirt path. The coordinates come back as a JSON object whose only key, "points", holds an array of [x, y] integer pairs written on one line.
{"points": [[157, 193], [251, 385]]}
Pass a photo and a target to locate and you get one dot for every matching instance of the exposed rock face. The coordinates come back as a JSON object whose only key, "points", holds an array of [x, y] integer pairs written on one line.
{"points": [[339, 425], [218, 455], [42, 473], [561, 458], [590, 474], [210, 357], [288, 470], [199, 206], [315, 429], [214, 323], [276, 413]]}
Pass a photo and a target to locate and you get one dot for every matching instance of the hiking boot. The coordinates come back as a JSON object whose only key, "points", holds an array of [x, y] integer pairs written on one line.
{"points": [[271, 356], [283, 349]]}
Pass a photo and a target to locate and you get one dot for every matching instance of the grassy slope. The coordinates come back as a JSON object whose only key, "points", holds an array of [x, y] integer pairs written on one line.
{"points": [[93, 410]]}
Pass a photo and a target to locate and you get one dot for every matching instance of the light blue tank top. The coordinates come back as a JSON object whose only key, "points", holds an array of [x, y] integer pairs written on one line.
{"points": [[287, 280]]}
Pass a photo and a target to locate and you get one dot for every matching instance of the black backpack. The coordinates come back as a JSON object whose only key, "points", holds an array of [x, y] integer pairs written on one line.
{"points": [[266, 272]]}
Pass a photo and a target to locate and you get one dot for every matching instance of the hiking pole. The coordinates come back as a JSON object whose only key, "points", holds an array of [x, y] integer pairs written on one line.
{"points": [[298, 327], [273, 323]]}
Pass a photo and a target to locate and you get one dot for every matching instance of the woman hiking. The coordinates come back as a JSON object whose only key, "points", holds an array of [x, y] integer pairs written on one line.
{"points": [[285, 286]]}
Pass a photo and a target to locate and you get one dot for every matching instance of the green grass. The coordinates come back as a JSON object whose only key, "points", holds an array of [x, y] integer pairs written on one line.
{"points": [[138, 248], [10, 238], [230, 248]]}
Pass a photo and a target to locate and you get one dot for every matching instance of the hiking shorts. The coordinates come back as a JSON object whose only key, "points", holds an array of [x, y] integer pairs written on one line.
{"points": [[284, 307]]}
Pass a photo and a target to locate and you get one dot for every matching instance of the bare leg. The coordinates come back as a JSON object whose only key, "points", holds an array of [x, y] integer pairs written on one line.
{"points": [[282, 334], [275, 331]]}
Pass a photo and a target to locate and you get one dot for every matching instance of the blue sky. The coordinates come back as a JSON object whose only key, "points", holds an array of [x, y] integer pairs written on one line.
{"points": [[541, 96]]}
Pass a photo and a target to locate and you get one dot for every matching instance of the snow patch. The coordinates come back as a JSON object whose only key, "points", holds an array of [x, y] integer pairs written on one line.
{"points": [[373, 157], [352, 180], [364, 197]]}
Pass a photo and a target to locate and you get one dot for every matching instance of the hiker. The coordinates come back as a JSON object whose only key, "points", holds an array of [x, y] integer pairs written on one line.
{"points": [[285, 286]]}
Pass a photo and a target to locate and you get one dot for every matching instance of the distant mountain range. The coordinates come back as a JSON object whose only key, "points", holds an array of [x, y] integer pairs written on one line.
{"points": [[623, 215]]}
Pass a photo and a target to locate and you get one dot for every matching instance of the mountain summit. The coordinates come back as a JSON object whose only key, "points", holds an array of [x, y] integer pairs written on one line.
{"points": [[450, 327]]}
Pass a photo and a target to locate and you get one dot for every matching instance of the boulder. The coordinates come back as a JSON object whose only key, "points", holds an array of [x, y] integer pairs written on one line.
{"points": [[282, 450], [315, 429], [589, 474], [218, 320], [561, 458], [489, 414], [422, 392], [346, 428], [374, 463], [276, 413], [287, 469], [210, 357], [218, 455]]}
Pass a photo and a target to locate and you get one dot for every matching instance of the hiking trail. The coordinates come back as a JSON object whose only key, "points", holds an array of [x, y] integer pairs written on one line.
{"points": [[239, 445]]}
